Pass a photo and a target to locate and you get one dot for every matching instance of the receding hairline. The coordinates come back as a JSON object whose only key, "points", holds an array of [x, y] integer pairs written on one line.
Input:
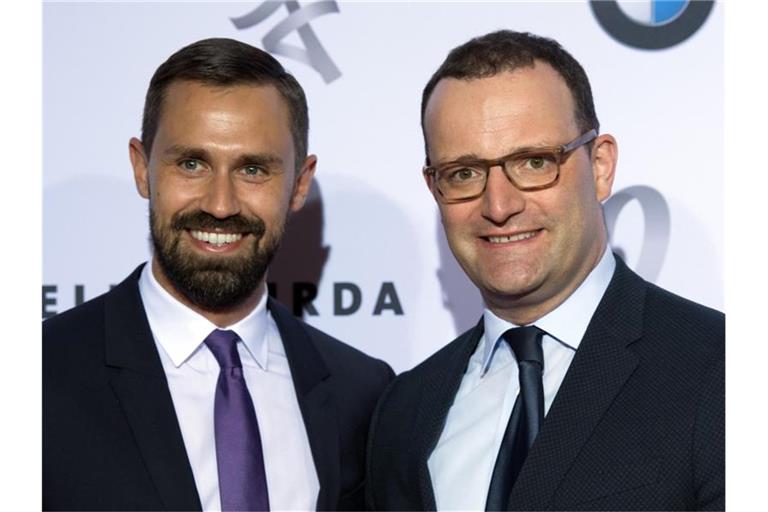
{"points": [[508, 70]]}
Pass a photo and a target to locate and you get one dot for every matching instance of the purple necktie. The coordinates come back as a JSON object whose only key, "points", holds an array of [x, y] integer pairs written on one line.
{"points": [[242, 480]]}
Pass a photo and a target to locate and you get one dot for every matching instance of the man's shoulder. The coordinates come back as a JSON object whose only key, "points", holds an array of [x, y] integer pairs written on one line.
{"points": [[337, 355], [694, 328], [677, 342], [74, 348], [409, 384], [668, 306], [449, 352], [665, 322], [83, 324], [88, 317]]}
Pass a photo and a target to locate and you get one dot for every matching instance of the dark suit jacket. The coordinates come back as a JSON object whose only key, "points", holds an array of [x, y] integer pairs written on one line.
{"points": [[638, 422], [111, 440]]}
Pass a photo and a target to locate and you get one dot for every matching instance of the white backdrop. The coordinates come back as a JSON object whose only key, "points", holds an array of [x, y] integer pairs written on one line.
{"points": [[372, 220]]}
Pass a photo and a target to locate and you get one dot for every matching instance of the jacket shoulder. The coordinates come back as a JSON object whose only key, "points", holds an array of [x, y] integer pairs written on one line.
{"points": [[75, 339], [681, 307], [74, 333], [692, 324], [87, 319]]}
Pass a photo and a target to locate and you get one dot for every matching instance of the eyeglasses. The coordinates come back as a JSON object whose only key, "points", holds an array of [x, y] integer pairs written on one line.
{"points": [[527, 169]]}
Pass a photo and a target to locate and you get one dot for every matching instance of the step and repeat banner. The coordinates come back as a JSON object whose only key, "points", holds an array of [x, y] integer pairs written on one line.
{"points": [[366, 260]]}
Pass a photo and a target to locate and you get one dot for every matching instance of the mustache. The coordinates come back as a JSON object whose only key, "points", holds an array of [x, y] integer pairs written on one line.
{"points": [[201, 221]]}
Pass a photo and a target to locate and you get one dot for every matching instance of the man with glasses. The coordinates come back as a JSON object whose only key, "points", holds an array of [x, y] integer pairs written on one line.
{"points": [[582, 386]]}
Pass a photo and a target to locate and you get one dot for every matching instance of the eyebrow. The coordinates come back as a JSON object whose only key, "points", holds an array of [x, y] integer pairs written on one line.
{"points": [[182, 151]]}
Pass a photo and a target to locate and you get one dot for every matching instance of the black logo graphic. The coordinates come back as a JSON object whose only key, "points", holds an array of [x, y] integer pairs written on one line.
{"points": [[670, 22], [299, 296]]}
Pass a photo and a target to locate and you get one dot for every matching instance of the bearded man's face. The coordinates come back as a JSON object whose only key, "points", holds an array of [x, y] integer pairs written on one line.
{"points": [[221, 180]]}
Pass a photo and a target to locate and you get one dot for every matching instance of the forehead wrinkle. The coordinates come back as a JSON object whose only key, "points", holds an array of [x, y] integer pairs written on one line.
{"points": [[498, 122]]}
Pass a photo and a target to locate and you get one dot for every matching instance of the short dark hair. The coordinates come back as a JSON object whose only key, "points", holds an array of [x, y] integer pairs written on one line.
{"points": [[225, 62], [505, 50]]}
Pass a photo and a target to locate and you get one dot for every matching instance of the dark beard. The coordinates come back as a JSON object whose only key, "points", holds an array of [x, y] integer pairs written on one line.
{"points": [[212, 283]]}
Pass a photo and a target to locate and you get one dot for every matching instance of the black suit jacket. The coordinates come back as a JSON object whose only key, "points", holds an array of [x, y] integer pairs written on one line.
{"points": [[111, 440], [638, 422]]}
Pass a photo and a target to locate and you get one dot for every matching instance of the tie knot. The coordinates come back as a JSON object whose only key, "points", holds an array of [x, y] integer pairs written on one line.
{"points": [[525, 342], [223, 344]]}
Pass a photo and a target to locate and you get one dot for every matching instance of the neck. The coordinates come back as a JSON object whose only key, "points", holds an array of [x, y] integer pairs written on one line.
{"points": [[220, 318], [527, 308]]}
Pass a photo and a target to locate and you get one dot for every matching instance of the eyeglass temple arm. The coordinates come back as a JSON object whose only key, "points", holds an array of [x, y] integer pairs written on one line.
{"points": [[587, 137]]}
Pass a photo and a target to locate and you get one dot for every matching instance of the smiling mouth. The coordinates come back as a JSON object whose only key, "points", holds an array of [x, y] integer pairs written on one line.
{"points": [[511, 238], [216, 239]]}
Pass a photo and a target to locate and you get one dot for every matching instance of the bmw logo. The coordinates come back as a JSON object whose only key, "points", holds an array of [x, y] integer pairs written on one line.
{"points": [[654, 24]]}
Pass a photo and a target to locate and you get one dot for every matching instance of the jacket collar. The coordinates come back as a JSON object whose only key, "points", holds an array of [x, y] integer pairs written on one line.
{"points": [[600, 368], [140, 386]]}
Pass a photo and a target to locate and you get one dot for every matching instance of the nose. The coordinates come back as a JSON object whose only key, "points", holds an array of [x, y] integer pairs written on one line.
{"points": [[220, 198], [501, 199]]}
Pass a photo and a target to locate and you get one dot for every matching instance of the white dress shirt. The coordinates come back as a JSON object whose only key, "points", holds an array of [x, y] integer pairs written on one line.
{"points": [[192, 373], [462, 463]]}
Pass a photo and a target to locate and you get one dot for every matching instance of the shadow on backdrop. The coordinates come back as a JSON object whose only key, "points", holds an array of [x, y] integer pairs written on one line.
{"points": [[460, 296], [295, 273]]}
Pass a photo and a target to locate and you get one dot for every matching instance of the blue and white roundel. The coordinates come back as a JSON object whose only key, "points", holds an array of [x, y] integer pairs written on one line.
{"points": [[653, 12]]}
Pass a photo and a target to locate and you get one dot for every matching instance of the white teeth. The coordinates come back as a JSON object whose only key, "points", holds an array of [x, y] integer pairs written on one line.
{"points": [[513, 238], [218, 239]]}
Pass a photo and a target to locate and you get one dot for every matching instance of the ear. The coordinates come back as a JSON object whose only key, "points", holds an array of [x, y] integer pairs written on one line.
{"points": [[605, 154], [303, 181], [140, 166]]}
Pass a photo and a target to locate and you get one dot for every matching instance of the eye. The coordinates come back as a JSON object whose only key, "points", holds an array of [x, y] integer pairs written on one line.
{"points": [[256, 171], [191, 165], [539, 162], [462, 175]]}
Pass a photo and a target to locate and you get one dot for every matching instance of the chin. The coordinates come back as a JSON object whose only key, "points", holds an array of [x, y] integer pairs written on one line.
{"points": [[505, 287]]}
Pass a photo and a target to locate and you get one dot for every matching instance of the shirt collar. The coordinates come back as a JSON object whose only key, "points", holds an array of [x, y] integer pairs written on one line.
{"points": [[568, 322], [180, 331]]}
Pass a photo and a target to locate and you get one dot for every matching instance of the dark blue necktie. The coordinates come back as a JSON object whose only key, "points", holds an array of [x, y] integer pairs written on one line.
{"points": [[526, 418], [240, 459]]}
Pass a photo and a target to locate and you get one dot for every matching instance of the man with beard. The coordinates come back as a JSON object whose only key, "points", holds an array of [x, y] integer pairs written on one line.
{"points": [[186, 387]]}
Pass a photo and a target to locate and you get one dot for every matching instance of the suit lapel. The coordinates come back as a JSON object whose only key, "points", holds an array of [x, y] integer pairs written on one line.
{"points": [[439, 390], [318, 407], [140, 386], [600, 368]]}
